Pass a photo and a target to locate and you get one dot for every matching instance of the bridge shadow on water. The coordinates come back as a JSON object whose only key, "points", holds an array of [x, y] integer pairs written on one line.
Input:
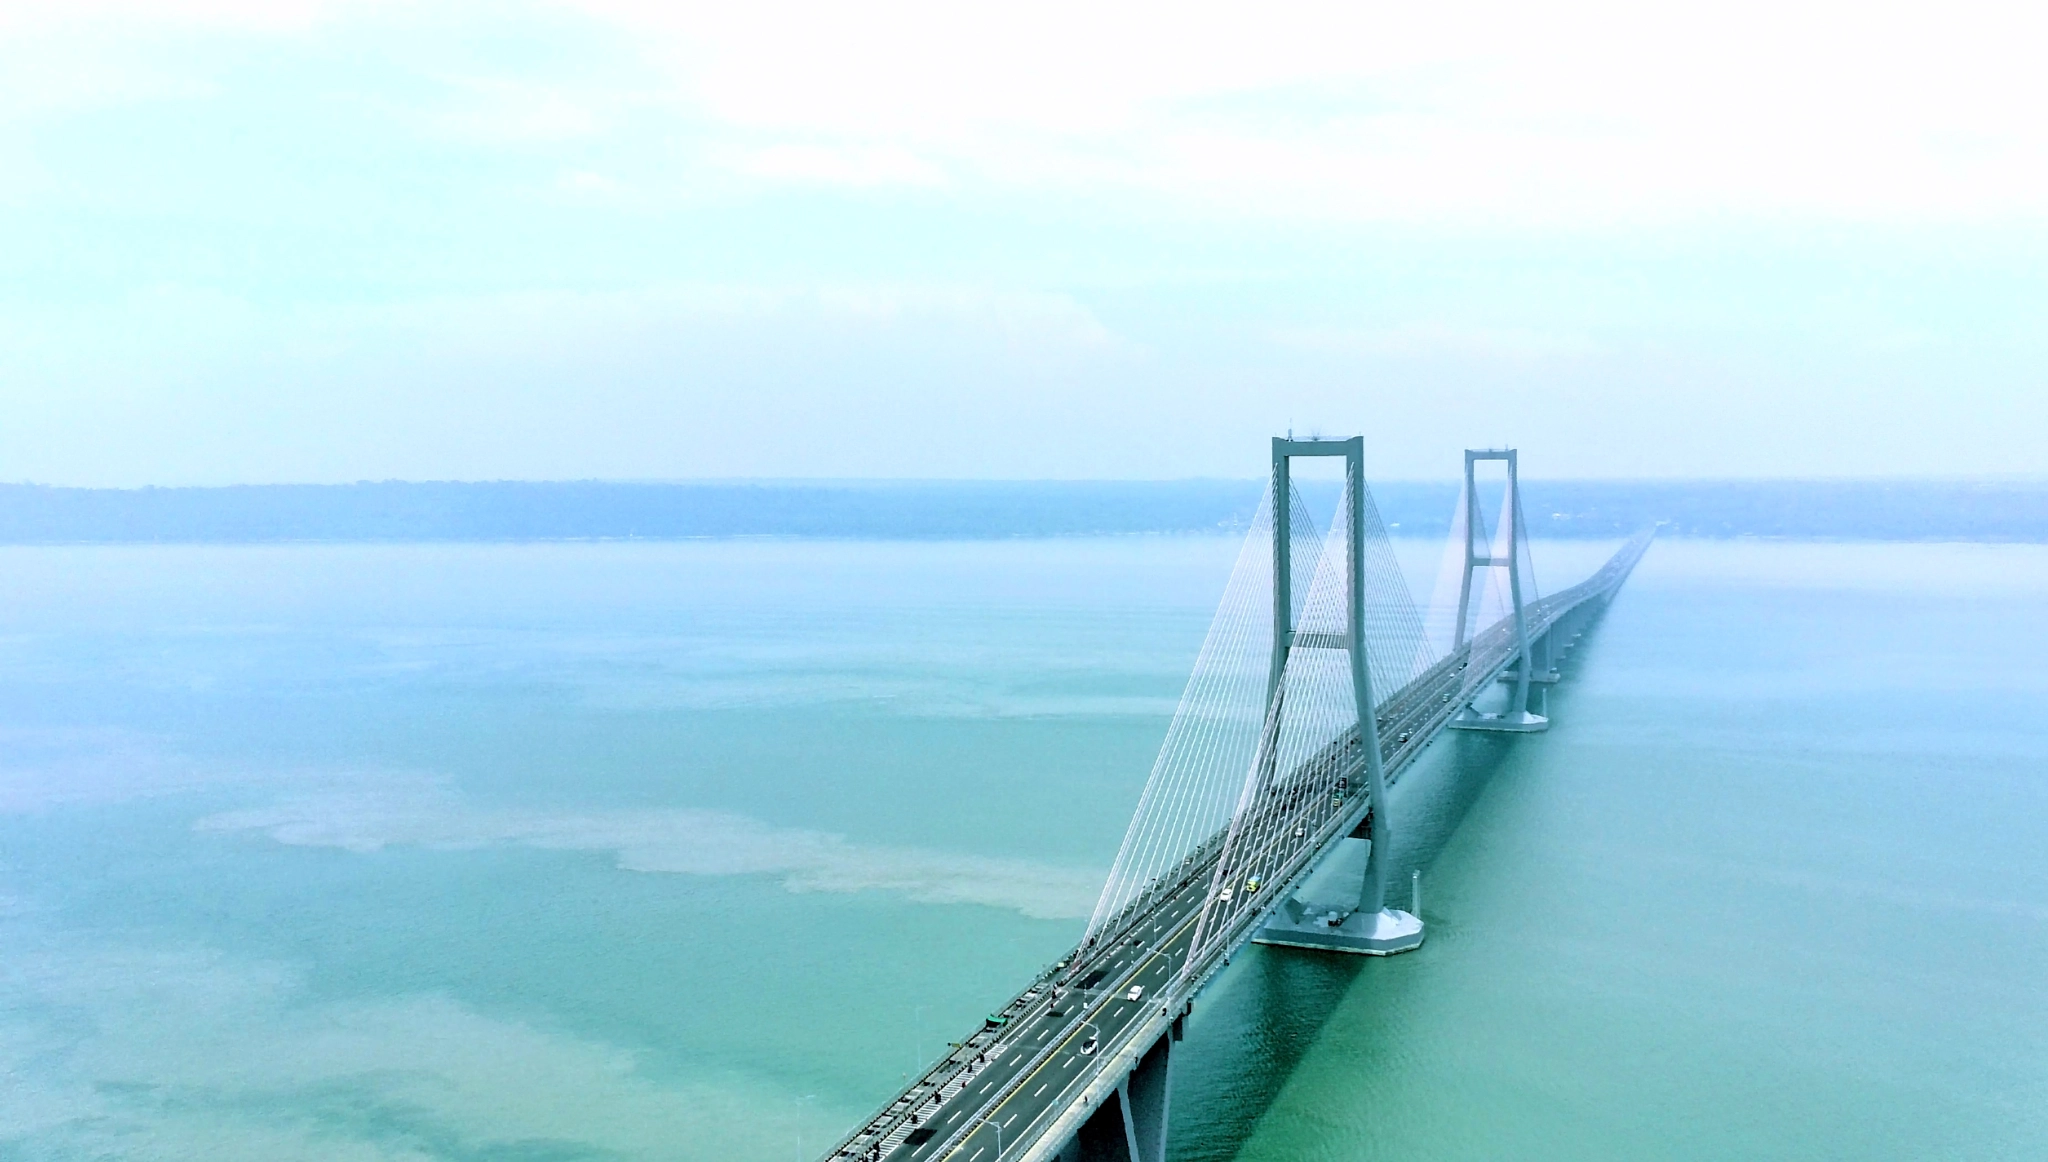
{"points": [[1255, 1023]]}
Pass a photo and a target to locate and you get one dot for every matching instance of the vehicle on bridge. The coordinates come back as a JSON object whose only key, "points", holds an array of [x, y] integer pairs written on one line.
{"points": [[1280, 754]]}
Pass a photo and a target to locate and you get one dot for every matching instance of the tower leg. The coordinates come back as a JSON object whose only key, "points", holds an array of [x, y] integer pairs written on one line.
{"points": [[1543, 652], [1337, 909]]}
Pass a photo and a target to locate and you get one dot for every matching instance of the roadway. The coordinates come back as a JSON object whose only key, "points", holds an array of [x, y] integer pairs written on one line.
{"points": [[1008, 1082], [1004, 1084]]}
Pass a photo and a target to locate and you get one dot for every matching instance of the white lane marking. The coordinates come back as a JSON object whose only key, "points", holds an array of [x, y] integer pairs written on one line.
{"points": [[1008, 1120], [1068, 1061], [1040, 1089], [977, 1154]]}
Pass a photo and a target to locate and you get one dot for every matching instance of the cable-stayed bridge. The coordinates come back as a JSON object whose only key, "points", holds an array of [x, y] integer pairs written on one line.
{"points": [[1318, 684]]}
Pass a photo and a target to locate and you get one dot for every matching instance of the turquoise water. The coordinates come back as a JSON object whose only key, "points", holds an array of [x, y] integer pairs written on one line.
{"points": [[695, 850]]}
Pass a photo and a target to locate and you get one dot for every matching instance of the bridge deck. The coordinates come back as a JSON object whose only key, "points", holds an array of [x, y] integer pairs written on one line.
{"points": [[1017, 1090]]}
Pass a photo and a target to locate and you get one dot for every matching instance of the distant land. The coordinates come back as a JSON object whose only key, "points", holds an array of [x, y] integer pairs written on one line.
{"points": [[593, 510]]}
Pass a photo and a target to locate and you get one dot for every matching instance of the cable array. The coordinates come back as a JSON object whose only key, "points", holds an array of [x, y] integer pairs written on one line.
{"points": [[1251, 770], [1299, 772], [1490, 600], [1397, 647], [1187, 800]]}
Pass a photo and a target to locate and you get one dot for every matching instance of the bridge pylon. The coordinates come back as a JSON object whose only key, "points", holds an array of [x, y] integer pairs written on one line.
{"points": [[1268, 798], [1359, 920], [1516, 717]]}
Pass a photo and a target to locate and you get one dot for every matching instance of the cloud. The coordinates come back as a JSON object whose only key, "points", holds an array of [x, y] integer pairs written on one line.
{"points": [[678, 841], [1484, 108], [828, 165], [261, 15], [458, 234], [1476, 111], [497, 111], [1416, 340]]}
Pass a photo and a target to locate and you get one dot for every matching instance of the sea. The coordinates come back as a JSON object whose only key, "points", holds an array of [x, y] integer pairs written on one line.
{"points": [[697, 850]]}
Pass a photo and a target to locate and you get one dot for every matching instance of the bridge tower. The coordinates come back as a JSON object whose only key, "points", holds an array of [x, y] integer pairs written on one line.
{"points": [[1516, 717], [1245, 811], [1367, 926]]}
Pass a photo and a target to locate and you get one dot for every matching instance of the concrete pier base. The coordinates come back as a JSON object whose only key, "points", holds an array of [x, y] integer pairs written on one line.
{"points": [[1522, 723], [1382, 933]]}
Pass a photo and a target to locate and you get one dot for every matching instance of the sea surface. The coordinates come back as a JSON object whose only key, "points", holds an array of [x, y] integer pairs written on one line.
{"points": [[695, 850]]}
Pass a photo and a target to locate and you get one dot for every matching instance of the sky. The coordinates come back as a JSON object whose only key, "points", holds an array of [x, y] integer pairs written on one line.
{"points": [[308, 241]]}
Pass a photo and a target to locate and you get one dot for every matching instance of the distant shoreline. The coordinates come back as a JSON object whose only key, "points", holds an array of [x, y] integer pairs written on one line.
{"points": [[514, 511]]}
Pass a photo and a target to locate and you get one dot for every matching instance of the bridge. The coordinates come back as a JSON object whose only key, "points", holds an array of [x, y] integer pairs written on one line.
{"points": [[1265, 818]]}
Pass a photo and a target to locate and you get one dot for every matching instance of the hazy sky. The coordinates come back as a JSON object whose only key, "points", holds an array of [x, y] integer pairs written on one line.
{"points": [[334, 241]]}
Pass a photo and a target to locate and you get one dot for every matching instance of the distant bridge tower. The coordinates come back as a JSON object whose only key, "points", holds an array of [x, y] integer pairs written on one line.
{"points": [[1515, 717]]}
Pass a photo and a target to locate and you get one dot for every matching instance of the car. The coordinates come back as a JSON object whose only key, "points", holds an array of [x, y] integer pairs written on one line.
{"points": [[1223, 896], [1137, 993], [1251, 886], [1088, 1046]]}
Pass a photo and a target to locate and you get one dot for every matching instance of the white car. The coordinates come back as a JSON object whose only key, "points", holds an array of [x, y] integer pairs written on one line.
{"points": [[1137, 993]]}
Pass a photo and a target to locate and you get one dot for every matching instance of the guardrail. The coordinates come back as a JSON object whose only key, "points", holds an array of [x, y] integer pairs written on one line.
{"points": [[1423, 706]]}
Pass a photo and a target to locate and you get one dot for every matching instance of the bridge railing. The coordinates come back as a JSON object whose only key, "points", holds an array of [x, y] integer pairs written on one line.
{"points": [[1408, 719]]}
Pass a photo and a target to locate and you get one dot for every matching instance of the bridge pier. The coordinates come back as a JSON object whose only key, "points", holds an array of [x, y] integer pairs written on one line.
{"points": [[1522, 722], [1130, 1125], [1516, 718], [1114, 1106], [1382, 933], [1542, 665], [1335, 909]]}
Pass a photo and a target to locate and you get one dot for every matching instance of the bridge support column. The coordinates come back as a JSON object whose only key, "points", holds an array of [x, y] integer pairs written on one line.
{"points": [[1543, 650], [1516, 717], [1334, 910], [1368, 925], [1131, 1125]]}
